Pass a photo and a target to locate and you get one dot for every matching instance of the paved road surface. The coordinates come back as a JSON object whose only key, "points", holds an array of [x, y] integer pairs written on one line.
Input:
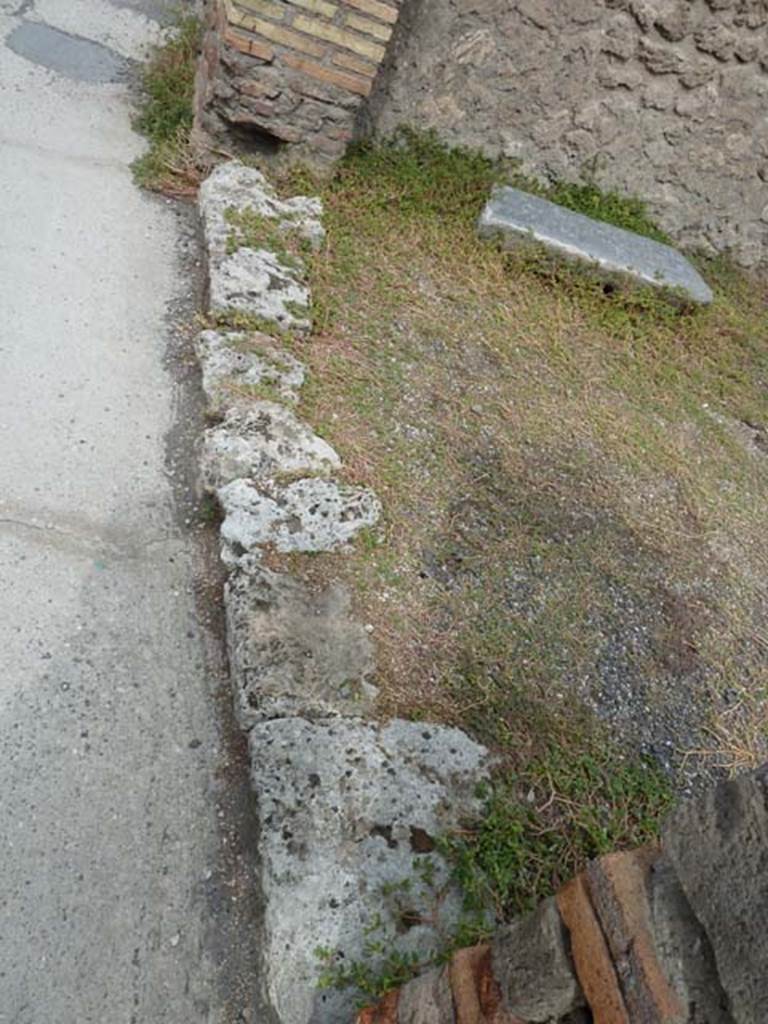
{"points": [[123, 895]]}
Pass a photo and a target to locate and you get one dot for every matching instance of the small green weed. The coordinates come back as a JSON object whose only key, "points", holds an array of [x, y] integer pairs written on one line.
{"points": [[165, 115], [388, 960], [237, 320], [543, 825]]}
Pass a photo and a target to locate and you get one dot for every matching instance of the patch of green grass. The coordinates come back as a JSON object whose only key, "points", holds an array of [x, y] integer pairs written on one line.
{"points": [[415, 173], [542, 825], [573, 544], [626, 212], [165, 112], [569, 502]]}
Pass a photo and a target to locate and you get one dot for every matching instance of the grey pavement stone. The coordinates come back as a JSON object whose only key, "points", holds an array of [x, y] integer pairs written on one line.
{"points": [[346, 807], [294, 650], [307, 515], [235, 364], [427, 999], [261, 442], [515, 216]]}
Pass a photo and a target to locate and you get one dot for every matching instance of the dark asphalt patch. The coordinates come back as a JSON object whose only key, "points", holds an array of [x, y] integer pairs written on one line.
{"points": [[69, 55]]}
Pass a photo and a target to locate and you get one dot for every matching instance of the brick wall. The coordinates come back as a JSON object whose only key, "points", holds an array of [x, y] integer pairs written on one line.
{"points": [[290, 72]]}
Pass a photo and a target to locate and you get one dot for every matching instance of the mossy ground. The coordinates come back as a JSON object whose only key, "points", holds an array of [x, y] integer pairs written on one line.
{"points": [[572, 560]]}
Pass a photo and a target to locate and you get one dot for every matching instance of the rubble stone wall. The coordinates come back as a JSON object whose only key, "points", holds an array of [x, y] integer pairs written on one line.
{"points": [[662, 99]]}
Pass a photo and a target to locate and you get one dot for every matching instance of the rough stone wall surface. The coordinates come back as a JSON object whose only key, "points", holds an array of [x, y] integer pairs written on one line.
{"points": [[289, 73], [663, 99]]}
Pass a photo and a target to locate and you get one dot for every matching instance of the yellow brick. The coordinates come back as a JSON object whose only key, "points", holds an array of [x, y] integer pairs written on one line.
{"points": [[352, 83], [263, 7], [340, 36], [376, 9], [361, 67], [316, 6], [371, 28], [275, 33], [247, 44]]}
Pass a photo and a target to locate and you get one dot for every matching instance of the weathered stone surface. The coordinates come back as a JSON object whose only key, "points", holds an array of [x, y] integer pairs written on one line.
{"points": [[307, 515], [235, 186], [248, 280], [532, 964], [346, 807], [256, 282], [294, 650], [618, 887], [683, 950], [514, 216], [717, 844], [591, 89], [261, 442], [427, 999], [236, 364]]}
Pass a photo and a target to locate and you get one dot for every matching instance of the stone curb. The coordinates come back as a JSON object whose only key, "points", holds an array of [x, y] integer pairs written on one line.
{"points": [[348, 807]]}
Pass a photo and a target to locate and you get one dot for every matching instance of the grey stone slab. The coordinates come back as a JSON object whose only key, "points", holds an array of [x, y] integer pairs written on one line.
{"points": [[346, 808], [683, 949], [236, 364], [295, 649], [514, 216], [235, 186], [256, 282], [307, 515], [261, 442]]}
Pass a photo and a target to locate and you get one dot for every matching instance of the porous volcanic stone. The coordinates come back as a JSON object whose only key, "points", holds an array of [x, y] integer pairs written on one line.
{"points": [[532, 964], [717, 844], [235, 186], [307, 515], [683, 949], [234, 364], [260, 442], [294, 650], [256, 282], [427, 999], [514, 216], [346, 808]]}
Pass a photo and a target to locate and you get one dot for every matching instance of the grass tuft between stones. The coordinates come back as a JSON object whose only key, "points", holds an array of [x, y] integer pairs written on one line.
{"points": [[165, 113]]}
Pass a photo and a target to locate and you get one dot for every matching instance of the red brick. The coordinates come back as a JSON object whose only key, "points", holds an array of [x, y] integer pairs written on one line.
{"points": [[341, 79], [618, 890], [591, 958]]}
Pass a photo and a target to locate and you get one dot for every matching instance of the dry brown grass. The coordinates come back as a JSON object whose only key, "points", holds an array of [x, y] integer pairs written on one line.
{"points": [[575, 509]]}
